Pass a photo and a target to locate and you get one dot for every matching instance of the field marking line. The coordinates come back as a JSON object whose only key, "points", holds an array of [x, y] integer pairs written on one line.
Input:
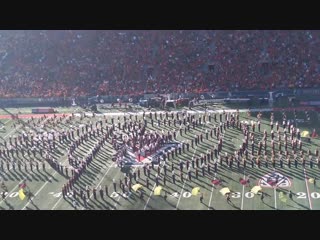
{"points": [[244, 176], [195, 150], [305, 178], [118, 199], [110, 167], [275, 198], [145, 206], [6, 122], [38, 192], [11, 132], [12, 168], [115, 205], [13, 189], [154, 186], [53, 174], [56, 204], [209, 206]]}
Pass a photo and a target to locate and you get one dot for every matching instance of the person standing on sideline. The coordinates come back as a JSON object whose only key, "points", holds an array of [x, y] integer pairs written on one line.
{"points": [[262, 196], [201, 198], [147, 182], [101, 192], [114, 185], [228, 198], [141, 195]]}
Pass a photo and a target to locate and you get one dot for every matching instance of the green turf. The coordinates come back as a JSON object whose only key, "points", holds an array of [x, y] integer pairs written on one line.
{"points": [[46, 185]]}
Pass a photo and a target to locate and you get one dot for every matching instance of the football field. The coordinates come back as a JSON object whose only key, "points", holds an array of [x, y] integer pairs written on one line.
{"points": [[44, 184]]}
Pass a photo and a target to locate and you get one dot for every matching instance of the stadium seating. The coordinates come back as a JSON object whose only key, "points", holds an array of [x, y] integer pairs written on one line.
{"points": [[52, 63]]}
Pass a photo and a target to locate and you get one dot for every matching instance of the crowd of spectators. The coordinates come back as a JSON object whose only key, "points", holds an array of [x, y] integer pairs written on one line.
{"points": [[56, 63]]}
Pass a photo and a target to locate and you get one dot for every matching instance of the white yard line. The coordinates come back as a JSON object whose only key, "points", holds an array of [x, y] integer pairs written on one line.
{"points": [[12, 168], [110, 167], [108, 186], [115, 205], [209, 206], [275, 198], [56, 204], [306, 181], [185, 180], [7, 122], [11, 192], [118, 197], [38, 192], [53, 174], [154, 186], [4, 124], [184, 183], [43, 187], [145, 206], [11, 132], [244, 177]]}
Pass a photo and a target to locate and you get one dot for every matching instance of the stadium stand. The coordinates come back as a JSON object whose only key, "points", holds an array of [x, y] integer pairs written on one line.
{"points": [[68, 63]]}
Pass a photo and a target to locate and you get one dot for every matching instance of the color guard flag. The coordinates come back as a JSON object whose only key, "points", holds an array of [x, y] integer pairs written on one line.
{"points": [[215, 182], [243, 181], [157, 191], [136, 187], [256, 189], [305, 134], [280, 194], [224, 191], [314, 134], [195, 191], [21, 194], [282, 197]]}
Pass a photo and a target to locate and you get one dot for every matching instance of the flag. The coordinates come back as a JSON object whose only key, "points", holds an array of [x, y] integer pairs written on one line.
{"points": [[136, 187], [195, 191], [243, 181], [21, 194], [311, 180], [224, 191], [282, 197], [305, 134], [215, 182], [314, 134], [256, 189], [157, 191]]}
